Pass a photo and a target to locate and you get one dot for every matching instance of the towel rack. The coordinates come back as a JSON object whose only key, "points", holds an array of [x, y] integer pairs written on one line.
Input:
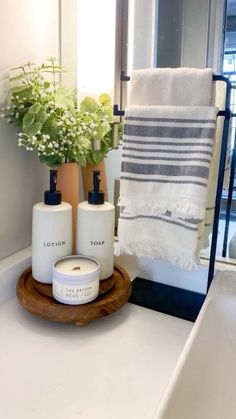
{"points": [[226, 113]]}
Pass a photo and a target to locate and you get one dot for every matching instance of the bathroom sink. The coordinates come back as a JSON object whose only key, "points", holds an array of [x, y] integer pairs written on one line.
{"points": [[204, 381]]}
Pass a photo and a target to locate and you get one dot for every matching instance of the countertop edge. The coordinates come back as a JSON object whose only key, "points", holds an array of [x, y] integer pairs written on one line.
{"points": [[10, 270]]}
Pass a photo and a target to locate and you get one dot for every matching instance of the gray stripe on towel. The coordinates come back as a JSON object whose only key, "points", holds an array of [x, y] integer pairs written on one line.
{"points": [[178, 144], [165, 170], [190, 159], [142, 118], [173, 132], [169, 221], [191, 182], [154, 150]]}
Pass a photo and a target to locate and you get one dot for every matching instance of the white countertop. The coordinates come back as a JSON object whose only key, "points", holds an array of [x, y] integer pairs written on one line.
{"points": [[114, 368]]}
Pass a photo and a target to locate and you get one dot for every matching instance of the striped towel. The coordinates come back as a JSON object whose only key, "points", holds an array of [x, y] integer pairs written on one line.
{"points": [[165, 159], [164, 174]]}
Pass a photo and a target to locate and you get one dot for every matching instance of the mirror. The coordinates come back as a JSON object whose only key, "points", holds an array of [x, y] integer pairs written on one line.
{"points": [[160, 33], [179, 33]]}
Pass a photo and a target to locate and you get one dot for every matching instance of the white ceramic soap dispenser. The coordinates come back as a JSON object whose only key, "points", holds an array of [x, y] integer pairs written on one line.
{"points": [[51, 233], [95, 228]]}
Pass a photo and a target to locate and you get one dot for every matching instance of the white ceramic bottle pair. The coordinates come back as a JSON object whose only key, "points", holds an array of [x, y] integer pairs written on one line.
{"points": [[52, 230]]}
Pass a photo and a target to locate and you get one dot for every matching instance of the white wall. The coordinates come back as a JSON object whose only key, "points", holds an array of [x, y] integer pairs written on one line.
{"points": [[29, 30]]}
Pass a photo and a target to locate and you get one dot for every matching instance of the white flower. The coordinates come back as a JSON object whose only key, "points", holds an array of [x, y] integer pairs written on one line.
{"points": [[2, 115], [17, 115], [20, 134], [3, 109], [34, 138]]}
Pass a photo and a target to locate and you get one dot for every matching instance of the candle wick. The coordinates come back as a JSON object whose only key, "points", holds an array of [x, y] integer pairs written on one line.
{"points": [[75, 268]]}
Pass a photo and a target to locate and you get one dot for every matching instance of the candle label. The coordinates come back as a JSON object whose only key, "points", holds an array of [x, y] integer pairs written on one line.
{"points": [[76, 293]]}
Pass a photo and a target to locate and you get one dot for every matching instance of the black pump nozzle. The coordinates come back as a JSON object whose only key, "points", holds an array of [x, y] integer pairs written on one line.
{"points": [[96, 197], [53, 180], [52, 197]]}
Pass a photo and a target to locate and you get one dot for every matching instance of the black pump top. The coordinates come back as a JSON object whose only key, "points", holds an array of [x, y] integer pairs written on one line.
{"points": [[96, 197], [52, 197]]}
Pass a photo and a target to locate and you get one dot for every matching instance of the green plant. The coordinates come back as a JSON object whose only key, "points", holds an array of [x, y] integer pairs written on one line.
{"points": [[50, 123]]}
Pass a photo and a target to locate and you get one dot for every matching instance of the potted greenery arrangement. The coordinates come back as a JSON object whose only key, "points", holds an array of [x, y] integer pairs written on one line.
{"points": [[52, 125], [50, 122]]}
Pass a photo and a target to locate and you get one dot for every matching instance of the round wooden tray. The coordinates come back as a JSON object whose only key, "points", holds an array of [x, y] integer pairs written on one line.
{"points": [[47, 307]]}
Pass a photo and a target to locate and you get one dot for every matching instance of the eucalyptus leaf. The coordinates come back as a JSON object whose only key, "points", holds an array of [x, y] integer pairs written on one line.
{"points": [[51, 71], [97, 156], [52, 67], [46, 84], [88, 104], [81, 160], [51, 161], [21, 88], [42, 115], [104, 99], [51, 128], [21, 76], [89, 158], [35, 108], [102, 130], [28, 121], [63, 97], [33, 129]]}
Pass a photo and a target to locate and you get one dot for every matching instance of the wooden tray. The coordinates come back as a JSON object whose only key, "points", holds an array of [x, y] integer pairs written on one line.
{"points": [[47, 307]]}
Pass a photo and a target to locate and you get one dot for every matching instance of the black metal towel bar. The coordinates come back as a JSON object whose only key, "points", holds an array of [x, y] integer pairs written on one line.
{"points": [[226, 113]]}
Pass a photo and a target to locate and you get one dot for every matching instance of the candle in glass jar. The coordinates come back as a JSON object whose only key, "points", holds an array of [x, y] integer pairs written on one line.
{"points": [[76, 279]]}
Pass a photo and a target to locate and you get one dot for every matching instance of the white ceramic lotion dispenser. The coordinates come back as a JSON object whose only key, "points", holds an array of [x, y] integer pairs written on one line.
{"points": [[51, 233], [95, 228]]}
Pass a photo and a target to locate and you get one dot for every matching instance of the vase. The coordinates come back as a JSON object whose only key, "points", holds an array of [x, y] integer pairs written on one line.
{"points": [[87, 178], [68, 184]]}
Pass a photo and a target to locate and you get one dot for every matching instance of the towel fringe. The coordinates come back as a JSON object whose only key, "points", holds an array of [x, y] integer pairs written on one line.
{"points": [[152, 251], [185, 210]]}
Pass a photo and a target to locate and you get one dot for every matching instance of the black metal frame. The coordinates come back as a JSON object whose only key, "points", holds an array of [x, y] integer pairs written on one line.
{"points": [[226, 114], [230, 191]]}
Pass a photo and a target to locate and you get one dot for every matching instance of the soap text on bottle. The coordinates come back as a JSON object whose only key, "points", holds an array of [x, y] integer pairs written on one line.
{"points": [[97, 243]]}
